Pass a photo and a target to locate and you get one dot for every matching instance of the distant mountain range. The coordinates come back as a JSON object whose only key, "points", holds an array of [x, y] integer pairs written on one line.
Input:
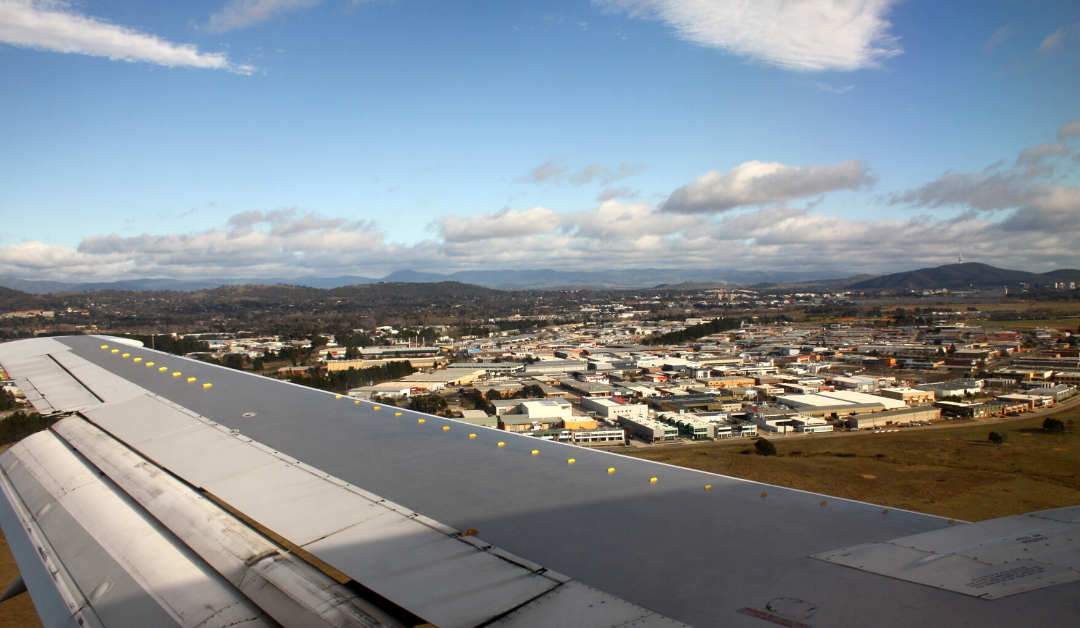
{"points": [[951, 276], [502, 279], [960, 276]]}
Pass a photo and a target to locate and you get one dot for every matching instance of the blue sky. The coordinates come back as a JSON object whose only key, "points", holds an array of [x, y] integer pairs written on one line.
{"points": [[285, 138]]}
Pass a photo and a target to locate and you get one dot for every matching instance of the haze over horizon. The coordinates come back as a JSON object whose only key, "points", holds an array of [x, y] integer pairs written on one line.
{"points": [[289, 138]]}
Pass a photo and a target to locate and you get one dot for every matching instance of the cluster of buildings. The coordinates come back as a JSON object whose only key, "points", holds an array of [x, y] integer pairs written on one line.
{"points": [[600, 384]]}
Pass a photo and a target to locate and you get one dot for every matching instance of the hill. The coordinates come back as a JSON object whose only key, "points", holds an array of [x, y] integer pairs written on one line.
{"points": [[15, 300], [960, 276]]}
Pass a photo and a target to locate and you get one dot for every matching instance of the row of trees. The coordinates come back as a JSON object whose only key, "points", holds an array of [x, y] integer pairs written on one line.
{"points": [[695, 331], [341, 381]]}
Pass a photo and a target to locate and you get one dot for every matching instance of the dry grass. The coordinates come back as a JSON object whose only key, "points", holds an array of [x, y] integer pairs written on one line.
{"points": [[952, 472], [1064, 324]]}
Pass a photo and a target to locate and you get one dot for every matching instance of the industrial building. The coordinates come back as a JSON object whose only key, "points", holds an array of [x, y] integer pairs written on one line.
{"points": [[910, 396], [615, 408], [649, 429], [894, 417], [839, 403]]}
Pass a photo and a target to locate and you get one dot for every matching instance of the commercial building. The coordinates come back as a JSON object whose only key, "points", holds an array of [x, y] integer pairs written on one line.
{"points": [[534, 409], [615, 408], [894, 417], [603, 436], [910, 396], [957, 388], [839, 403], [649, 429]]}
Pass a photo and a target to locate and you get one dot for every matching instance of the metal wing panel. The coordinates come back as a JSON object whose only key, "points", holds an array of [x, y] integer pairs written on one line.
{"points": [[447, 582], [126, 566], [102, 383], [57, 387], [293, 503], [29, 348]]}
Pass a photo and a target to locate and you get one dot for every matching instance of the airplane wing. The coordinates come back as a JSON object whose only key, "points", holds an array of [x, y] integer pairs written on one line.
{"points": [[178, 492]]}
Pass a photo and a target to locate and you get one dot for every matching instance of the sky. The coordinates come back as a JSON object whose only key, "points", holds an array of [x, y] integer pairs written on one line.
{"points": [[241, 139]]}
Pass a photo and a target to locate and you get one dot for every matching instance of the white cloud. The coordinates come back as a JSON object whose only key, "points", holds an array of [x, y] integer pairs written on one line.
{"points": [[238, 14], [555, 171], [613, 220], [758, 183], [550, 169], [54, 26], [243, 13], [1052, 41], [1071, 129], [999, 37], [804, 35], [508, 223]]}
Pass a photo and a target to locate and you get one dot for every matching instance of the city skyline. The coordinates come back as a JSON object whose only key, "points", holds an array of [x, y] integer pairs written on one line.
{"points": [[271, 138]]}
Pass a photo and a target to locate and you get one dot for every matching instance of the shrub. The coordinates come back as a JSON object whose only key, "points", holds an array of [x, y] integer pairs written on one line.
{"points": [[996, 438], [1053, 425], [765, 447]]}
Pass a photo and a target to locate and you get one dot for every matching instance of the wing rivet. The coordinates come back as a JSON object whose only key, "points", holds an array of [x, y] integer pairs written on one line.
{"points": [[163, 369], [138, 359], [116, 351], [207, 385], [885, 512], [570, 461], [421, 420], [445, 428], [397, 414], [176, 374], [104, 346], [470, 532], [337, 396], [501, 444], [611, 470], [653, 480], [823, 502], [125, 355], [378, 407], [149, 364], [472, 435], [190, 379], [708, 486], [764, 494], [356, 402]]}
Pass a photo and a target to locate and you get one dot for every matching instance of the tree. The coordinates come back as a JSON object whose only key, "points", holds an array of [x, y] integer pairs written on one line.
{"points": [[7, 400], [1053, 425], [996, 438], [257, 365], [235, 361], [431, 404], [765, 447]]}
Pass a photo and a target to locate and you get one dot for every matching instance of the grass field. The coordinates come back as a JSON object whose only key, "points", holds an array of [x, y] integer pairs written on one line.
{"points": [[1065, 324], [952, 472]]}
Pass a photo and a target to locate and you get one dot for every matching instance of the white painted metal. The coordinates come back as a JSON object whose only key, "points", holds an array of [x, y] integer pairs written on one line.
{"points": [[108, 387], [71, 608], [59, 389], [287, 588], [294, 503], [447, 582], [990, 559], [185, 589], [29, 348], [575, 604]]}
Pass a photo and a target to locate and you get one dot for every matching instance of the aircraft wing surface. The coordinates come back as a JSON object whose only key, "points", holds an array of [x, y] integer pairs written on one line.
{"points": [[183, 492]]}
